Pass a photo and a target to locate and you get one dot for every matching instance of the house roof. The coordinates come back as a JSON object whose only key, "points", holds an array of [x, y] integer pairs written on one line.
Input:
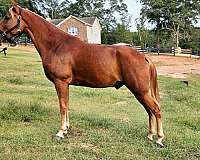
{"points": [[89, 20], [79, 19], [56, 21]]}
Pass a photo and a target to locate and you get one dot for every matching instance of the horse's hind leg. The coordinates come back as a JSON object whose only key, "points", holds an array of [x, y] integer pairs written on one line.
{"points": [[152, 124], [153, 109]]}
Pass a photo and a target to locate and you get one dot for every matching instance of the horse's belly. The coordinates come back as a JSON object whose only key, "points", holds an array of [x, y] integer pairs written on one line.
{"points": [[95, 80], [96, 70]]}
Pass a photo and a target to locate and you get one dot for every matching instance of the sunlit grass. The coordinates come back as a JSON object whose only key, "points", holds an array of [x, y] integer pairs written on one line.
{"points": [[105, 123]]}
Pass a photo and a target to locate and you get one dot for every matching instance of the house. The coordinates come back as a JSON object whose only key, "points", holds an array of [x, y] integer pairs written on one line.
{"points": [[88, 29]]}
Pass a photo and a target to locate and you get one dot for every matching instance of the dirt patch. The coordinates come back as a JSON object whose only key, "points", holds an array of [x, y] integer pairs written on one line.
{"points": [[75, 132], [28, 48], [176, 67]]}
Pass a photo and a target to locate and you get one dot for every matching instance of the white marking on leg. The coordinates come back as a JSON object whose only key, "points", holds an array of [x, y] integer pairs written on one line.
{"points": [[64, 122], [60, 134], [160, 132], [152, 127]]}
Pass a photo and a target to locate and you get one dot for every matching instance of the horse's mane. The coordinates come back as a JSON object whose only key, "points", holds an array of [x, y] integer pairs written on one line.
{"points": [[41, 21]]}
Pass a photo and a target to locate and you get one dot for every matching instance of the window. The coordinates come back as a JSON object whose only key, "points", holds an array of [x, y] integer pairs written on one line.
{"points": [[73, 31]]}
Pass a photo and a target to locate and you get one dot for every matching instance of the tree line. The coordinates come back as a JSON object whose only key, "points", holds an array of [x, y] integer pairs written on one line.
{"points": [[173, 21]]}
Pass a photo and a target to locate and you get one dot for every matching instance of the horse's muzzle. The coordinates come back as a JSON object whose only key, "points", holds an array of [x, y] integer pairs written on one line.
{"points": [[2, 35]]}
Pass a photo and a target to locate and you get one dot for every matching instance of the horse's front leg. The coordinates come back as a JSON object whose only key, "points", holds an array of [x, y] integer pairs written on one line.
{"points": [[62, 89]]}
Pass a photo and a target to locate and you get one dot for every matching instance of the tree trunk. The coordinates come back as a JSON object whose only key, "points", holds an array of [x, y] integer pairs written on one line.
{"points": [[158, 36], [176, 36]]}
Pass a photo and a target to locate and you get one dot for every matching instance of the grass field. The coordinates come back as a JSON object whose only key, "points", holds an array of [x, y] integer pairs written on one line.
{"points": [[105, 123]]}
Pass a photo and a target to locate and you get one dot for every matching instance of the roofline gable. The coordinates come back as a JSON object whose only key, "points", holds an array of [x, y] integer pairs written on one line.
{"points": [[71, 16]]}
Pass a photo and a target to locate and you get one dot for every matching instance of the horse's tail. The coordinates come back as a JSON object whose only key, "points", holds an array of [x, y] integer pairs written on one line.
{"points": [[154, 82]]}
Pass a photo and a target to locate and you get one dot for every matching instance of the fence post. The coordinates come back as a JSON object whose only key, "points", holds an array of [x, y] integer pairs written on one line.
{"points": [[176, 50], [138, 48]]}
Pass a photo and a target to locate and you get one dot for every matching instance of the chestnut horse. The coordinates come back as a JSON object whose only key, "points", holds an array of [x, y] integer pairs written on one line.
{"points": [[69, 61]]}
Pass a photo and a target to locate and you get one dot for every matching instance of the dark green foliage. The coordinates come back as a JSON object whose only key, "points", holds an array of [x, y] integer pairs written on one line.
{"points": [[4, 6], [193, 41], [176, 17], [103, 9], [117, 35]]}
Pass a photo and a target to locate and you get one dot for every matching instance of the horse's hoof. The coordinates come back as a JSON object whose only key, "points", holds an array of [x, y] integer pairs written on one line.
{"points": [[59, 135], [65, 132], [159, 144], [56, 138]]}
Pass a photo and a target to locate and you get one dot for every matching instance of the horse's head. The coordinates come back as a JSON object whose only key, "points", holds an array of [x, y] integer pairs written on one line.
{"points": [[12, 25]]}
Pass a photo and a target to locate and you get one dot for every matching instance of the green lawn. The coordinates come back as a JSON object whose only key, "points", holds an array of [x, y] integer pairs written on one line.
{"points": [[105, 123]]}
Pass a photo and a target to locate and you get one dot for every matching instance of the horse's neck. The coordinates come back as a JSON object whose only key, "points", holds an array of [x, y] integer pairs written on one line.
{"points": [[43, 34]]}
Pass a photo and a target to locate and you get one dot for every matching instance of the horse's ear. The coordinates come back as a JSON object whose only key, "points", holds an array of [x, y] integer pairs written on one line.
{"points": [[14, 10], [14, 2]]}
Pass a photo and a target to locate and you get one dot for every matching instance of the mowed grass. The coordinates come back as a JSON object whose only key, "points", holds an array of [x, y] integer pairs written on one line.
{"points": [[105, 123]]}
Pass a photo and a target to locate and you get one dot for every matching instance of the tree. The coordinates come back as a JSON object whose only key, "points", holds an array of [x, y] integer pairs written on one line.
{"points": [[79, 8], [193, 41], [5, 4], [152, 10], [179, 18], [52, 8], [175, 16], [142, 32], [123, 34], [105, 10]]}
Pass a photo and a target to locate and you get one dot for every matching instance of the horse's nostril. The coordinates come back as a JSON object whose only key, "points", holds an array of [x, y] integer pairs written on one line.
{"points": [[1, 32], [2, 35]]}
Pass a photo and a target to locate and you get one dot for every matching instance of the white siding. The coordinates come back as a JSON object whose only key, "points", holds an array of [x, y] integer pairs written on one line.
{"points": [[94, 33]]}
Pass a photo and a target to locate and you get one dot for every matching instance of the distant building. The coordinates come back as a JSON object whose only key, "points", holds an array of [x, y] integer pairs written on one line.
{"points": [[88, 29]]}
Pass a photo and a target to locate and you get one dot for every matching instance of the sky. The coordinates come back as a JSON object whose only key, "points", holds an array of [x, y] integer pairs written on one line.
{"points": [[134, 10]]}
